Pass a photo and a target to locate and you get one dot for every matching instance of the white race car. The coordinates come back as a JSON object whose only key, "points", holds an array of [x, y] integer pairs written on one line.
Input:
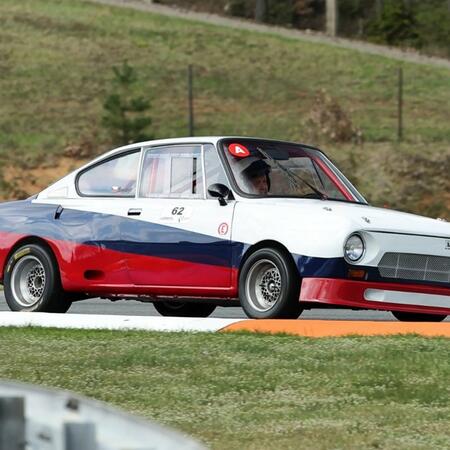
{"points": [[193, 223]]}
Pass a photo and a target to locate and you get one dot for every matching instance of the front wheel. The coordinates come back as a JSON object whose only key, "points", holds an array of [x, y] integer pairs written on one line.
{"points": [[184, 309], [32, 282], [416, 317], [269, 286]]}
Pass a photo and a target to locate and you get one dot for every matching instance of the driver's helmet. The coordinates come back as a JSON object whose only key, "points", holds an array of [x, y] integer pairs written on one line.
{"points": [[257, 168]]}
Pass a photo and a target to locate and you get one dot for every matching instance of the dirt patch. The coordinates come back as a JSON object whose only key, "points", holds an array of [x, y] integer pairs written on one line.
{"points": [[327, 119], [22, 183]]}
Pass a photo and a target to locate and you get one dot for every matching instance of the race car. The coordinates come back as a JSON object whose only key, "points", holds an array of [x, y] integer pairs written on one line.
{"points": [[192, 223]]}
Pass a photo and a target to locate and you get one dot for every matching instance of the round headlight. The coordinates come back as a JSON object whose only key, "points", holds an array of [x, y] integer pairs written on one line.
{"points": [[354, 248]]}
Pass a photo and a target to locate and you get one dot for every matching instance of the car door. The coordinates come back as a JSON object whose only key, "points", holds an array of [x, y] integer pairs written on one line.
{"points": [[178, 235], [94, 219]]}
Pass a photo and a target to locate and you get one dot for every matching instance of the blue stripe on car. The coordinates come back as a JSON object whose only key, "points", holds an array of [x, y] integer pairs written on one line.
{"points": [[145, 238]]}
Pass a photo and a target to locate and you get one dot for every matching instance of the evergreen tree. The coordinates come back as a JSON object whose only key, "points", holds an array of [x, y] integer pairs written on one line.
{"points": [[124, 109]]}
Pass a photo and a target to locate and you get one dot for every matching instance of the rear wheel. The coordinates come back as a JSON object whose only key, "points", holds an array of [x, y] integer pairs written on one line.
{"points": [[32, 282], [416, 317], [184, 309], [269, 286]]}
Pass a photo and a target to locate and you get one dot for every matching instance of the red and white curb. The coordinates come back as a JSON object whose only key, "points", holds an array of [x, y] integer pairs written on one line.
{"points": [[308, 328]]}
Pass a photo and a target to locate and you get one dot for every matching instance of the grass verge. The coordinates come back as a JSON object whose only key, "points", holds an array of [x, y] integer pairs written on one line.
{"points": [[238, 390]]}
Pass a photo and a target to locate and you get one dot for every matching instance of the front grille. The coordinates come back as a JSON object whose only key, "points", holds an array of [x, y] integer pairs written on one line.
{"points": [[409, 266]]}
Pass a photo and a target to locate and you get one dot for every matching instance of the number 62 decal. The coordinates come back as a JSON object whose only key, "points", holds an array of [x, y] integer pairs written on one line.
{"points": [[176, 214], [178, 211]]}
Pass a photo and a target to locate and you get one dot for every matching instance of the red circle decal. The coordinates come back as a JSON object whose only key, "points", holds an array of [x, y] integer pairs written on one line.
{"points": [[223, 228], [239, 150]]}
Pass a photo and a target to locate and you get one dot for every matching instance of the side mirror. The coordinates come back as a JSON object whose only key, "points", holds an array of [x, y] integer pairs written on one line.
{"points": [[219, 191]]}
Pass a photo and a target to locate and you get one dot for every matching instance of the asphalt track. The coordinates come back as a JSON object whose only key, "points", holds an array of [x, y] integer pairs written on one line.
{"points": [[133, 308]]}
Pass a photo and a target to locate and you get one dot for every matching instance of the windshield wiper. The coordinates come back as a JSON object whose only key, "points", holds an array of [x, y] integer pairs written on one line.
{"points": [[292, 176]]}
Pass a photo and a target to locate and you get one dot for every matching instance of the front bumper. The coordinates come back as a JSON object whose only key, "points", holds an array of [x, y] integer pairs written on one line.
{"points": [[376, 295]]}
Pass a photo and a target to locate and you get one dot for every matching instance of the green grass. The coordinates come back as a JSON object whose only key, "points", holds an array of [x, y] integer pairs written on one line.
{"points": [[237, 391], [56, 59]]}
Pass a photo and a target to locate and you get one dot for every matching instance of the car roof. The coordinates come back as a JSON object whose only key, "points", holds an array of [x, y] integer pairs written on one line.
{"points": [[169, 141], [187, 140], [155, 142]]}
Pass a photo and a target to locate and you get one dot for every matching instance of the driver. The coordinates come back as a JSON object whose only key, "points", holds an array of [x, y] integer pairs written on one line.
{"points": [[257, 177]]}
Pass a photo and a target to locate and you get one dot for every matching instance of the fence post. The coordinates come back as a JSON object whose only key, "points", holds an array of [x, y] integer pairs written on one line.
{"points": [[80, 436], [191, 99], [400, 104], [12, 423]]}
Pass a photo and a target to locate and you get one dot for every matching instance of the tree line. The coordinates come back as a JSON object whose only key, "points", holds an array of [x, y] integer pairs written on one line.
{"points": [[424, 25]]}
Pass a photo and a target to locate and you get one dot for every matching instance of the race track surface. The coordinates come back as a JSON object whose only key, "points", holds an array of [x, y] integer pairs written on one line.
{"points": [[133, 308]]}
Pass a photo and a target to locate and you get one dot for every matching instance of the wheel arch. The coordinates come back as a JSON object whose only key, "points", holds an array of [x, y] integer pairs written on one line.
{"points": [[267, 243], [36, 240]]}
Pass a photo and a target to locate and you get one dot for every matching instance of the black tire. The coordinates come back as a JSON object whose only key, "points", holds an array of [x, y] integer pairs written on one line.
{"points": [[184, 309], [32, 281], [416, 317], [269, 286]]}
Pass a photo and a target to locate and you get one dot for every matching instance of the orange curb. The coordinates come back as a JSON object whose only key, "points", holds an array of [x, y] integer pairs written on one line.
{"points": [[329, 328]]}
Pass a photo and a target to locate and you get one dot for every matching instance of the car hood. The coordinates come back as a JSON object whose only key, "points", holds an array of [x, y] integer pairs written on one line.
{"points": [[366, 217]]}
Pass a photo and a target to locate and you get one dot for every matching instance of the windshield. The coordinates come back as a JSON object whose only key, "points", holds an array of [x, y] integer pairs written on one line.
{"points": [[267, 168]]}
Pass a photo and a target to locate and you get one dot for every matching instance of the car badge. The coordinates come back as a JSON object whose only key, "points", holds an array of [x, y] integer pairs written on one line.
{"points": [[327, 208], [223, 228], [447, 245], [366, 219], [239, 150]]}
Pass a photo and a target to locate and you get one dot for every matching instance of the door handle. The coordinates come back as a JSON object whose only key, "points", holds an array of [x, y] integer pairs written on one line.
{"points": [[134, 212], [58, 212]]}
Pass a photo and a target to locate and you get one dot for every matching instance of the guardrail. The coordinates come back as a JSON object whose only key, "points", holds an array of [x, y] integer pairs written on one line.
{"points": [[36, 418]]}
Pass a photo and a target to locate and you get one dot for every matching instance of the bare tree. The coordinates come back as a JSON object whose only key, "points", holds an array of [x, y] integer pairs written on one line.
{"points": [[379, 6], [332, 17], [260, 10], [407, 3]]}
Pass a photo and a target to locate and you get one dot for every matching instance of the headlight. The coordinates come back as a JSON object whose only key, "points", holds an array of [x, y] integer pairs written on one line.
{"points": [[354, 248]]}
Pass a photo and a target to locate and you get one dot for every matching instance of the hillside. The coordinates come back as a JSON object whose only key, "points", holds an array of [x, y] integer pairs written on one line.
{"points": [[56, 58]]}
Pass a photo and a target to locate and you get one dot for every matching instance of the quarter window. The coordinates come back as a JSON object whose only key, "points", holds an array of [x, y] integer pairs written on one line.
{"points": [[174, 172], [113, 178]]}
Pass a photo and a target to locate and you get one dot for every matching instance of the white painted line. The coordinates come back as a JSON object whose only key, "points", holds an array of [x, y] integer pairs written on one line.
{"points": [[112, 322], [407, 298]]}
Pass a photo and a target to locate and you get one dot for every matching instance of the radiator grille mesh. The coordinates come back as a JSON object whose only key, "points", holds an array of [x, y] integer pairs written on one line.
{"points": [[409, 266]]}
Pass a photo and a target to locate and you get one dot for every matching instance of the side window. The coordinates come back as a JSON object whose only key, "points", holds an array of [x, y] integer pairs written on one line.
{"points": [[113, 178], [214, 170], [174, 172]]}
